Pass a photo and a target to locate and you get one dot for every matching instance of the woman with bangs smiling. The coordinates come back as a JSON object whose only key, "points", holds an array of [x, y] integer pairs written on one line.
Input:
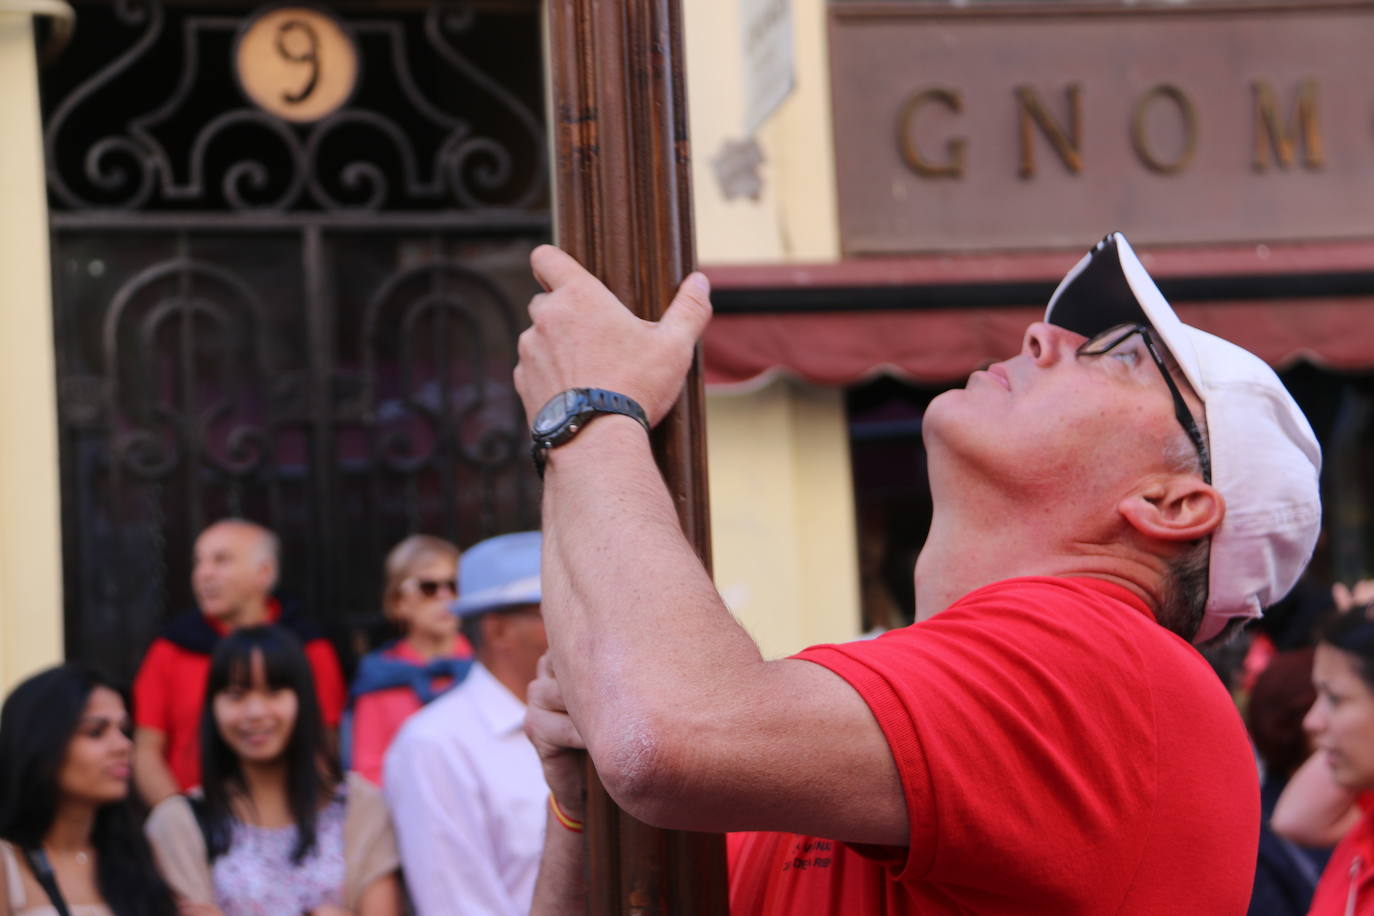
{"points": [[275, 828]]}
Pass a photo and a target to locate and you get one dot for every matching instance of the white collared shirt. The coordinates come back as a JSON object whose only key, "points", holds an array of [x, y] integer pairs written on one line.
{"points": [[467, 797]]}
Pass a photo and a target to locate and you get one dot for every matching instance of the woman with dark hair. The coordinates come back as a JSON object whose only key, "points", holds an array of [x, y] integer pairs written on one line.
{"points": [[275, 829], [1286, 874], [69, 840], [1331, 796]]}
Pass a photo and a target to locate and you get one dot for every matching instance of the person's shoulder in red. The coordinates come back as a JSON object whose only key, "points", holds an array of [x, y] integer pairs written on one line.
{"points": [[330, 691], [1052, 727], [170, 687], [1347, 882], [329, 680], [380, 711], [173, 666], [152, 684]]}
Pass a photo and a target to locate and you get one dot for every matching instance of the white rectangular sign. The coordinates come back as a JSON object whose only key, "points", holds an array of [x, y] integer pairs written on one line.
{"points": [[766, 38]]}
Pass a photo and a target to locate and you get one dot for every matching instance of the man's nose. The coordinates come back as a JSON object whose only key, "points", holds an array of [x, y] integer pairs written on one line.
{"points": [[1046, 343]]}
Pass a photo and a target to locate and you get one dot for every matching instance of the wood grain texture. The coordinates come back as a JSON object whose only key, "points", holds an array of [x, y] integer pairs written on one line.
{"points": [[623, 208]]}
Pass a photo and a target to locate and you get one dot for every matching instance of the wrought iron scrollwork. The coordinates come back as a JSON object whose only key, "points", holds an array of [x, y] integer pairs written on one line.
{"points": [[309, 324], [116, 165], [176, 151], [200, 325], [455, 313]]}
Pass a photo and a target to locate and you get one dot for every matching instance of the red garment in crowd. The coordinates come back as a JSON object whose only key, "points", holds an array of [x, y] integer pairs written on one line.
{"points": [[379, 715], [169, 691], [1060, 753], [1347, 884]]}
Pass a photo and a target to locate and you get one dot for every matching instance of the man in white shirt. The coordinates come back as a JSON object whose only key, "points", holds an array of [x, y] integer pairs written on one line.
{"points": [[464, 784]]}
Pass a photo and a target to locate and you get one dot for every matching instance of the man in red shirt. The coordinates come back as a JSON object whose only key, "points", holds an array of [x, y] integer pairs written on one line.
{"points": [[1044, 739], [233, 571]]}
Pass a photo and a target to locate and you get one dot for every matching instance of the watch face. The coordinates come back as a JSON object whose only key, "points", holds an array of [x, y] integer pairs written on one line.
{"points": [[557, 412]]}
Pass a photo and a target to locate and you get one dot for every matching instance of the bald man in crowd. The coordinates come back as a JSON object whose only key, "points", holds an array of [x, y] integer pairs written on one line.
{"points": [[234, 569], [1045, 738]]}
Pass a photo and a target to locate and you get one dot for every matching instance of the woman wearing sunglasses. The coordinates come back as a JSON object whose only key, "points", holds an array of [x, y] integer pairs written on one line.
{"points": [[71, 843], [430, 656], [275, 829]]}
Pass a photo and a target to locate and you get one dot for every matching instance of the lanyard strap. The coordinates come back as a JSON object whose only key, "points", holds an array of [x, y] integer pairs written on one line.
{"points": [[42, 870]]}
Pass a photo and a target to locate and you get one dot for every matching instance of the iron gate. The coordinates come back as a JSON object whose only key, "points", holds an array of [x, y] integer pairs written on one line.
{"points": [[310, 325]]}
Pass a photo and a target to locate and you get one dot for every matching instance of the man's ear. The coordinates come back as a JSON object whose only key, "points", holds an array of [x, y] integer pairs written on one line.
{"points": [[1176, 507], [494, 629], [267, 574]]}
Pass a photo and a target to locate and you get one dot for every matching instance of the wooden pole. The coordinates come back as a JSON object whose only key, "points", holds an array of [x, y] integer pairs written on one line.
{"points": [[623, 208]]}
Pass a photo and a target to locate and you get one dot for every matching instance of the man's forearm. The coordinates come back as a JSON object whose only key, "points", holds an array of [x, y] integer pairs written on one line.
{"points": [[634, 620], [562, 883]]}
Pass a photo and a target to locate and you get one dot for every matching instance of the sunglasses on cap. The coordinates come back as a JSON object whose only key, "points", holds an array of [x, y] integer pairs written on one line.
{"points": [[430, 587]]}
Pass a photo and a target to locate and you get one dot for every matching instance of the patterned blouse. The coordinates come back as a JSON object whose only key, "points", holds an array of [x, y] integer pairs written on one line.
{"points": [[257, 878]]}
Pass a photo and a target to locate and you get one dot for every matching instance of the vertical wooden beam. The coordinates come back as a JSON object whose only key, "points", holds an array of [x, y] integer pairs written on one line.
{"points": [[623, 208]]}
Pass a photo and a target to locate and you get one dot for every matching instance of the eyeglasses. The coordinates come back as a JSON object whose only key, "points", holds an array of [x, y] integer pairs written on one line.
{"points": [[430, 587], [1113, 337]]}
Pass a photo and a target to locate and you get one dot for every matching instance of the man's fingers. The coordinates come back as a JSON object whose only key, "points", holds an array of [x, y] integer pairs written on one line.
{"points": [[553, 267], [552, 729], [544, 692], [1341, 596], [690, 309]]}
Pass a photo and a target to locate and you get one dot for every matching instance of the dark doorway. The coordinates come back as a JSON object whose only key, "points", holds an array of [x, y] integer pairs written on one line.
{"points": [[311, 325]]}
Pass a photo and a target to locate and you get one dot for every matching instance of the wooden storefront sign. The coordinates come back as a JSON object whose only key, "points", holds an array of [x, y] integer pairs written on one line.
{"points": [[1032, 127]]}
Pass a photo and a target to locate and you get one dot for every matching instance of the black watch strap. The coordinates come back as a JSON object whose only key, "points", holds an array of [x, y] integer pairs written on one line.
{"points": [[597, 401], [604, 401]]}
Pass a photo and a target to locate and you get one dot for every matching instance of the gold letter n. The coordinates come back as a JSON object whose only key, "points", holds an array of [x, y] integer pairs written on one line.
{"points": [[1031, 113]]}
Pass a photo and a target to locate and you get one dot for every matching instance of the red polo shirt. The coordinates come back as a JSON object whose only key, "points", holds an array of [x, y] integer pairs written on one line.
{"points": [[1060, 754]]}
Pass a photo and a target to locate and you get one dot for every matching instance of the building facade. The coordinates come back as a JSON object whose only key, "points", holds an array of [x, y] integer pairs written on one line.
{"points": [[268, 260]]}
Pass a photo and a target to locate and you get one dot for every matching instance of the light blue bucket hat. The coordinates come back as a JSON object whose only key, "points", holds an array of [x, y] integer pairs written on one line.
{"points": [[498, 573]]}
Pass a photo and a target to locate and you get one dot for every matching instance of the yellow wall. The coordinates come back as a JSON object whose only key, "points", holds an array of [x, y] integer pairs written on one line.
{"points": [[782, 504], [794, 218], [782, 514], [30, 538]]}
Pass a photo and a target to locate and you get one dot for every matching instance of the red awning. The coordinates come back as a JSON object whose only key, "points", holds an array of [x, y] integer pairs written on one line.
{"points": [[940, 345], [943, 345]]}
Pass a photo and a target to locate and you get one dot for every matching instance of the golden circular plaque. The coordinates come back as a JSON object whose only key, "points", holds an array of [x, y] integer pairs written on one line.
{"points": [[296, 62]]}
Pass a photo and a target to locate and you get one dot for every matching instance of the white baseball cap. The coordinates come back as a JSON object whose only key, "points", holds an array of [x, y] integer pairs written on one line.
{"points": [[1265, 459]]}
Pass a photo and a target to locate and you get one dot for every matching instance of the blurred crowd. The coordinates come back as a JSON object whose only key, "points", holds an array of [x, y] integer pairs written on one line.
{"points": [[1303, 678], [244, 777]]}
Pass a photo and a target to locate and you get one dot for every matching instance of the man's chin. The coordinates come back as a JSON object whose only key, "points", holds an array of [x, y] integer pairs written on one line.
{"points": [[945, 415]]}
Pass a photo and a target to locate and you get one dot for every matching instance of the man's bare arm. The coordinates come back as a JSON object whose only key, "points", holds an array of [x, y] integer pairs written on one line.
{"points": [[562, 885], [688, 726], [152, 777]]}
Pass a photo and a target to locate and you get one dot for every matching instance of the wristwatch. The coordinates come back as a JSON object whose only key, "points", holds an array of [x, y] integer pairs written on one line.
{"points": [[568, 411]]}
